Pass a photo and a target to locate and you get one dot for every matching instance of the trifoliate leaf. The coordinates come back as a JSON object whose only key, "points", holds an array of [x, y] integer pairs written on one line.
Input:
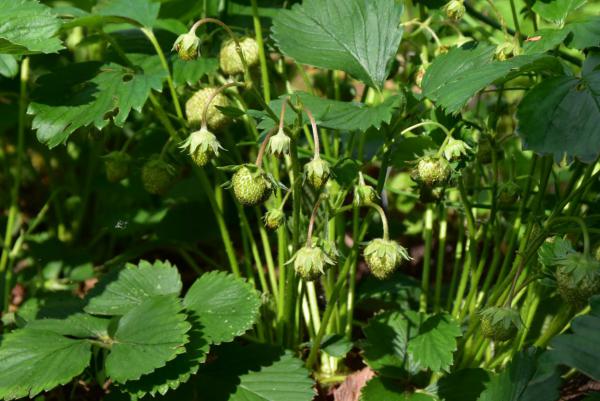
{"points": [[119, 292], [146, 338], [83, 94], [380, 388], [225, 306], [32, 361], [351, 116], [176, 371], [561, 116], [254, 373], [26, 26], [433, 348], [551, 252], [453, 78], [360, 37]]}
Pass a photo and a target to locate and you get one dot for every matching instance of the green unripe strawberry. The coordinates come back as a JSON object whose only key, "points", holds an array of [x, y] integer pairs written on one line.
{"points": [[202, 146], [187, 46], [507, 50], [432, 171], [117, 165], [157, 176], [577, 279], [455, 9], [194, 108], [500, 324], [229, 58], [384, 256], [274, 218], [508, 194], [310, 262], [251, 187], [364, 194], [279, 144], [317, 172]]}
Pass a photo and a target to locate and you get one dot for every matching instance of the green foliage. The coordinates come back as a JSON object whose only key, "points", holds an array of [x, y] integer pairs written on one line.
{"points": [[560, 116], [357, 36], [26, 26], [91, 93]]}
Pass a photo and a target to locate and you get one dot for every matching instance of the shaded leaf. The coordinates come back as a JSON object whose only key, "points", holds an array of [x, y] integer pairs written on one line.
{"points": [[127, 288], [225, 306], [579, 349], [561, 116], [8, 66], [463, 385], [453, 78], [510, 384], [336, 345], [32, 361], [360, 37], [146, 338], [26, 26], [254, 373], [379, 388], [433, 347], [89, 93], [584, 33], [545, 40]]}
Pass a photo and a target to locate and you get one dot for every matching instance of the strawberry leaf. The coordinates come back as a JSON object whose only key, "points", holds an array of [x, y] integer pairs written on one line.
{"points": [[381, 388], [143, 12], [225, 306], [434, 346], [360, 37], [561, 116], [453, 78], [32, 361], [121, 291], [26, 26], [91, 93], [146, 338]]}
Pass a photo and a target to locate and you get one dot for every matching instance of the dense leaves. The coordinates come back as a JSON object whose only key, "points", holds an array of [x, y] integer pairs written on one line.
{"points": [[561, 115], [357, 36]]}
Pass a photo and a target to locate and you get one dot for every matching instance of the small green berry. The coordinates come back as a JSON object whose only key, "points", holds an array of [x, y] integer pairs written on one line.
{"points": [[364, 194], [157, 176], [577, 279], [507, 50], [187, 46], [202, 146], [229, 58], [194, 108], [455, 10], [384, 256], [274, 218], [279, 144], [500, 324], [317, 172], [251, 187], [117, 165], [432, 171], [508, 194], [310, 262]]}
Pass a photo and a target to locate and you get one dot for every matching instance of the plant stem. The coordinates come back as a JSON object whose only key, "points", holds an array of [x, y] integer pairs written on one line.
{"points": [[428, 234], [439, 271], [515, 17], [150, 35], [14, 204], [315, 133], [384, 220], [261, 52]]}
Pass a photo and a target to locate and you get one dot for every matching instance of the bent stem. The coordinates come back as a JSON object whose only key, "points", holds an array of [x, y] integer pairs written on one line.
{"points": [[311, 223], [384, 220], [315, 133]]}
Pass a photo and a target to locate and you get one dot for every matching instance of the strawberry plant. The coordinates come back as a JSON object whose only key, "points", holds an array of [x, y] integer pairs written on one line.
{"points": [[348, 200]]}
